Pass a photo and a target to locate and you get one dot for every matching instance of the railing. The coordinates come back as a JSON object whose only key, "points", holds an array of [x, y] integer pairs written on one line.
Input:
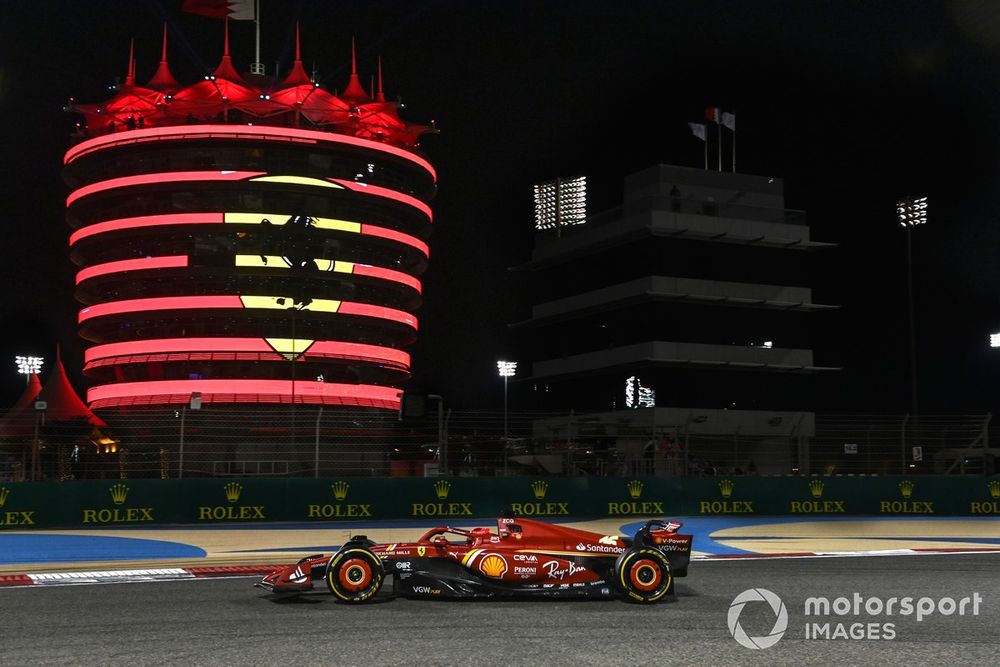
{"points": [[221, 441]]}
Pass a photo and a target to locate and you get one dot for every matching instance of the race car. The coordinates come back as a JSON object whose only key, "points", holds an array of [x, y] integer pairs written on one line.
{"points": [[523, 558]]}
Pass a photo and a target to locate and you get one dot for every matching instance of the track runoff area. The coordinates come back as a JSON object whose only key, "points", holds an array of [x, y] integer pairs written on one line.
{"points": [[776, 588]]}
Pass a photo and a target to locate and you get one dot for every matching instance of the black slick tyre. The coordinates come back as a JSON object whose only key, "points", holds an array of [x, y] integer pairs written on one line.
{"points": [[354, 574], [643, 575]]}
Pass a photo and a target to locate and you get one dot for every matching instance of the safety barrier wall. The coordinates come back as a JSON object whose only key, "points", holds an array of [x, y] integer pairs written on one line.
{"points": [[92, 504]]}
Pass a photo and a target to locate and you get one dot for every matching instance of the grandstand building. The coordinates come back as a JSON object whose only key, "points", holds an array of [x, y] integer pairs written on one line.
{"points": [[247, 240], [685, 313]]}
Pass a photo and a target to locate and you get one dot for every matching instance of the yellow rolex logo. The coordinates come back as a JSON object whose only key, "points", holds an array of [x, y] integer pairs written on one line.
{"points": [[635, 488], [4, 492], [340, 490], [539, 488], [442, 488], [119, 492], [906, 488], [493, 566], [233, 491], [816, 488], [726, 487], [993, 486]]}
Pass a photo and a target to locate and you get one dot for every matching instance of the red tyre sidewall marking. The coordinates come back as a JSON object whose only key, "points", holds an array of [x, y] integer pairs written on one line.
{"points": [[354, 564], [638, 567]]}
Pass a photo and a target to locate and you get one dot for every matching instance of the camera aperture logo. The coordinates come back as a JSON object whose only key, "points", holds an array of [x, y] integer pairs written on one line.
{"points": [[780, 618], [825, 618]]}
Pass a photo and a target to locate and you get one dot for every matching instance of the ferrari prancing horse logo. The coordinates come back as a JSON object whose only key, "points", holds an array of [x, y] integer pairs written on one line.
{"points": [[421, 551]]}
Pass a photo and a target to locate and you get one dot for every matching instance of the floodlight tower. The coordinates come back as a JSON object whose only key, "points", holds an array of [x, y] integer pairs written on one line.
{"points": [[910, 212], [561, 203], [28, 365], [507, 370]]}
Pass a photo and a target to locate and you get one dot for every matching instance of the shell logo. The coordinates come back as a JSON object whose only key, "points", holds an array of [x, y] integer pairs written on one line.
{"points": [[493, 566]]}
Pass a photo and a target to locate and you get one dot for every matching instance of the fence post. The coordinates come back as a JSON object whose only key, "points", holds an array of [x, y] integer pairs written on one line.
{"points": [[319, 416], [903, 445], [180, 449]]}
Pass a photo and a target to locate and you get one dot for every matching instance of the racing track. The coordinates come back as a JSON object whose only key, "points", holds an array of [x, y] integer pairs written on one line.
{"points": [[226, 621]]}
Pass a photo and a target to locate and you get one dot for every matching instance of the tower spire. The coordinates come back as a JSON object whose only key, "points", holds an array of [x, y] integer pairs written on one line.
{"points": [[225, 70], [130, 77], [355, 93], [380, 95], [297, 76], [163, 79]]}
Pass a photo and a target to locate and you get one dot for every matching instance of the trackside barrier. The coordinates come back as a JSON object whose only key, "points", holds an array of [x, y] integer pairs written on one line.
{"points": [[90, 504]]}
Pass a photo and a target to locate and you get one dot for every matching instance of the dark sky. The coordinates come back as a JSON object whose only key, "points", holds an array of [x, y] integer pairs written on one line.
{"points": [[853, 103]]}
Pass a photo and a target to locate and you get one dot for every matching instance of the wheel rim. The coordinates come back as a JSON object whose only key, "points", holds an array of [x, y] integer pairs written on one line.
{"points": [[355, 574], [645, 575]]}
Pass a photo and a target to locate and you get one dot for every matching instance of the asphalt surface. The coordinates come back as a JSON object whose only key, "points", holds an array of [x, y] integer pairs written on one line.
{"points": [[226, 621]]}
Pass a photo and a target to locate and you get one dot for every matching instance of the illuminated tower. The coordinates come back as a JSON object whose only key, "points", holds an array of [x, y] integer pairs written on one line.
{"points": [[247, 239]]}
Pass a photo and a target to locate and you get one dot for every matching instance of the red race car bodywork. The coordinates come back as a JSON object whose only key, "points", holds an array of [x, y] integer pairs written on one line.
{"points": [[522, 558]]}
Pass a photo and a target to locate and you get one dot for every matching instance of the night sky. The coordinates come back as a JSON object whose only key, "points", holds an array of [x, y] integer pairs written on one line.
{"points": [[853, 103]]}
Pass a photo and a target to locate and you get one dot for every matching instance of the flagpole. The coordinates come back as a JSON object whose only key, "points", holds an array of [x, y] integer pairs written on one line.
{"points": [[734, 150], [258, 66], [718, 133]]}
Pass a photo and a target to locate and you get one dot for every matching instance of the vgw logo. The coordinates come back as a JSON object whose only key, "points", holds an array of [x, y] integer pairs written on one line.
{"points": [[777, 607]]}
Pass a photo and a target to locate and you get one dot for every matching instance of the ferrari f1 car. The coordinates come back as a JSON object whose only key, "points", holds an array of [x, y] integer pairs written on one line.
{"points": [[524, 558]]}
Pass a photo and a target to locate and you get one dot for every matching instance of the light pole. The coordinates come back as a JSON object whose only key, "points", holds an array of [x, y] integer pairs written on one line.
{"points": [[507, 370], [910, 212]]}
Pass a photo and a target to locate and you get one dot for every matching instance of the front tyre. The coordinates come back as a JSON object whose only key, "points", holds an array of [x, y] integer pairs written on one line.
{"points": [[643, 575], [354, 574]]}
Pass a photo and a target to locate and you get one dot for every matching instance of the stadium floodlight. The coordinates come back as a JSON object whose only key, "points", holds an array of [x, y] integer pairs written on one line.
{"points": [[507, 370], [561, 203], [911, 211], [27, 365], [995, 340], [638, 396]]}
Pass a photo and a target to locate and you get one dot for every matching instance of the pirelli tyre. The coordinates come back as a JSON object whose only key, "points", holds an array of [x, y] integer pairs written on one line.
{"points": [[643, 575], [354, 574]]}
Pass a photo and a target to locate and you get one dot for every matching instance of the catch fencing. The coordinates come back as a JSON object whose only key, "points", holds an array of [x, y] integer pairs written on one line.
{"points": [[220, 441]]}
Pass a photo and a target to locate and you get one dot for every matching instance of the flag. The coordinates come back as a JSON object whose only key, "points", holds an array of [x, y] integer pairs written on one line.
{"points": [[698, 130], [712, 114], [238, 10], [729, 120]]}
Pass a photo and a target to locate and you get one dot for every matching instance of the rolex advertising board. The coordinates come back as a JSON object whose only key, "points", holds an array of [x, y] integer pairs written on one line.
{"points": [[458, 500]]}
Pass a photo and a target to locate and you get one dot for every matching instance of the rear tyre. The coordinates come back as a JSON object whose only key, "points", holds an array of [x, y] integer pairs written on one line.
{"points": [[643, 575], [354, 574]]}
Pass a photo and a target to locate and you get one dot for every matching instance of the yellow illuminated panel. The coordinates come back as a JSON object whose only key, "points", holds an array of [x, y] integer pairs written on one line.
{"points": [[297, 180], [278, 262], [289, 345], [288, 303], [280, 219], [341, 225]]}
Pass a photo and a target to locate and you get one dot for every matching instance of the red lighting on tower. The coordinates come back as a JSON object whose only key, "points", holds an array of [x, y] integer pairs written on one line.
{"points": [[248, 239]]}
